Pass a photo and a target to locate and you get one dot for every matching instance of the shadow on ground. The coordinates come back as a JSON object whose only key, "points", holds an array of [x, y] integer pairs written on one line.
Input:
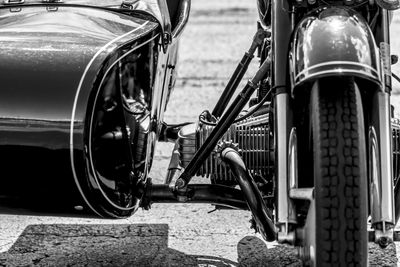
{"points": [[138, 245]]}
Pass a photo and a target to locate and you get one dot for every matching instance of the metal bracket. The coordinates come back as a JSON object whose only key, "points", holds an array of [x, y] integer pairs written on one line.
{"points": [[166, 40], [169, 132], [286, 235]]}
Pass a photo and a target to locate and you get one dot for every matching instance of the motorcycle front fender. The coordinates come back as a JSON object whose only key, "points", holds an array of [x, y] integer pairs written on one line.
{"points": [[333, 41]]}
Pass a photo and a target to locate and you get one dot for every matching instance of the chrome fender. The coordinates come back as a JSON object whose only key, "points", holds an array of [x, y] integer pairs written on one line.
{"points": [[333, 41]]}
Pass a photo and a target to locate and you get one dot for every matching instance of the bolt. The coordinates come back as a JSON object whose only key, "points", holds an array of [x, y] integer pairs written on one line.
{"points": [[394, 59], [383, 241], [127, 4], [78, 208], [180, 183]]}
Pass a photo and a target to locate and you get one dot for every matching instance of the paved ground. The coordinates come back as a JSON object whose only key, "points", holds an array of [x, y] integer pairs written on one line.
{"points": [[178, 235]]}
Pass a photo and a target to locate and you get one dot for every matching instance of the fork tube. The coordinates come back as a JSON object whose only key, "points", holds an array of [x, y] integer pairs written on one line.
{"points": [[382, 185], [281, 30], [282, 118], [382, 201]]}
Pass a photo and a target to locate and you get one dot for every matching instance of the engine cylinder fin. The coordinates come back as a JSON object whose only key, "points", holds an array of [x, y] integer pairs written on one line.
{"points": [[254, 141]]}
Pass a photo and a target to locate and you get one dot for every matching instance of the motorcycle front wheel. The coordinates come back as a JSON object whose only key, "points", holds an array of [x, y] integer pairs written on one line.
{"points": [[340, 174]]}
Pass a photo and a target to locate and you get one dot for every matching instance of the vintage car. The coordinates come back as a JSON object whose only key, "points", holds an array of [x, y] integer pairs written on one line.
{"points": [[84, 86]]}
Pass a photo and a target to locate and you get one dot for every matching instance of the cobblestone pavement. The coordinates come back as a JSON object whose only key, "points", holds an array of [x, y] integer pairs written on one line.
{"points": [[167, 235]]}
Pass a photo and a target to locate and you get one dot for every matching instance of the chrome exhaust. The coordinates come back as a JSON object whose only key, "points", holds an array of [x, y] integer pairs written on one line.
{"points": [[262, 215]]}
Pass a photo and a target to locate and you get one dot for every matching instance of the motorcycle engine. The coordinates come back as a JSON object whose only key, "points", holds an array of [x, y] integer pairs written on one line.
{"points": [[254, 139], [252, 136]]}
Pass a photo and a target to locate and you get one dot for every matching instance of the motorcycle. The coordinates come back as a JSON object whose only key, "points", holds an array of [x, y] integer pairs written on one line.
{"points": [[315, 156]]}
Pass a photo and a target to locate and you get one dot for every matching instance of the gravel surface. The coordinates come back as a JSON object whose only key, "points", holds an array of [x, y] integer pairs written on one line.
{"points": [[167, 235]]}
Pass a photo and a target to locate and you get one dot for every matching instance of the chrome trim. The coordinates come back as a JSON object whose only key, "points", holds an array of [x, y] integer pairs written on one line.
{"points": [[338, 67], [325, 73], [91, 120], [286, 213], [282, 148], [183, 18], [337, 62], [71, 143]]}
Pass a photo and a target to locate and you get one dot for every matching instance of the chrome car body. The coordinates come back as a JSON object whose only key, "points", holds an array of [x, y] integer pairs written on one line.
{"points": [[60, 62]]}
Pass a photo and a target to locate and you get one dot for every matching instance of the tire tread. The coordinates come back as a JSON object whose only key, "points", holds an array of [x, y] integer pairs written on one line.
{"points": [[340, 190]]}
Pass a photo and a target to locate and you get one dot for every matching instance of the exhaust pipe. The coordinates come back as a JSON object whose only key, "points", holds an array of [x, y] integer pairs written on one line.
{"points": [[262, 215]]}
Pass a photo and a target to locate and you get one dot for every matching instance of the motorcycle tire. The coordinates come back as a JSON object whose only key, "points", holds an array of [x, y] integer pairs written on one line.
{"points": [[340, 173]]}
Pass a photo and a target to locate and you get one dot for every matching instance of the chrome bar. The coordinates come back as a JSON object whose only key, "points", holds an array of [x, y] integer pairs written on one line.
{"points": [[380, 135], [183, 18], [286, 213]]}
